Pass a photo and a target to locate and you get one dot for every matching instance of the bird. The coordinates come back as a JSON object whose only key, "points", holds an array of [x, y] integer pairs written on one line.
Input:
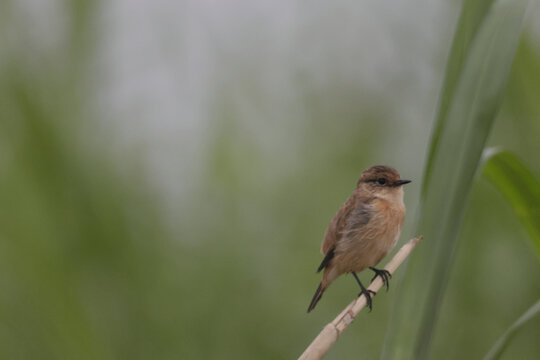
{"points": [[364, 230]]}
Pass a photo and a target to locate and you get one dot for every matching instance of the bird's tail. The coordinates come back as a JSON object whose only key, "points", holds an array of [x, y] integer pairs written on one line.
{"points": [[316, 297]]}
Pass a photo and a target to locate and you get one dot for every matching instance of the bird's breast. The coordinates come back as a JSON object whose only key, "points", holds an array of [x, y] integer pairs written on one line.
{"points": [[376, 239], [391, 216]]}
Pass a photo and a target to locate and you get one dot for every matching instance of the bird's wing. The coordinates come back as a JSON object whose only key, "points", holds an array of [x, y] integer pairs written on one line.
{"points": [[352, 216], [358, 218]]}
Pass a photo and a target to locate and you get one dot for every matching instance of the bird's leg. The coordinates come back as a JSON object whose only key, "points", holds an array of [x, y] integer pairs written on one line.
{"points": [[367, 293], [384, 274]]}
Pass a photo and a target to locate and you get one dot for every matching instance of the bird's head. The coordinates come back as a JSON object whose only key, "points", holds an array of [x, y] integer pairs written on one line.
{"points": [[382, 181]]}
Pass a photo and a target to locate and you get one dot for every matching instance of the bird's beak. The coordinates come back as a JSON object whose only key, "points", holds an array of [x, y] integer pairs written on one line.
{"points": [[402, 182]]}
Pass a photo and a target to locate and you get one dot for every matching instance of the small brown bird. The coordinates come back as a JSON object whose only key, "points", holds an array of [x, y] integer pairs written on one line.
{"points": [[364, 230]]}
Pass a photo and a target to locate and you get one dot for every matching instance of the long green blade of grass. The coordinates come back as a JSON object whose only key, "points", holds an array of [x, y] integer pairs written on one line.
{"points": [[472, 15], [522, 190], [505, 338], [458, 140], [520, 187]]}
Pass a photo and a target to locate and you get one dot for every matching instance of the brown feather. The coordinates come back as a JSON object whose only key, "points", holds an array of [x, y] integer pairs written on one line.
{"points": [[334, 230]]}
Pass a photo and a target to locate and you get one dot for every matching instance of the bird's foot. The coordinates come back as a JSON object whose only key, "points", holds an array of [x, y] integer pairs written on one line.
{"points": [[384, 274], [368, 294]]}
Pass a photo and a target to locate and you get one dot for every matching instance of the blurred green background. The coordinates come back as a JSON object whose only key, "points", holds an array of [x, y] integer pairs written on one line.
{"points": [[168, 169]]}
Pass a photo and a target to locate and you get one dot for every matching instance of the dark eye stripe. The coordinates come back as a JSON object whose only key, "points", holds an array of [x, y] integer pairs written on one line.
{"points": [[384, 181]]}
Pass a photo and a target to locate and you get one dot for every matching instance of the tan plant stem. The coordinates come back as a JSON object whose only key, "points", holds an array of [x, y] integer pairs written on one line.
{"points": [[330, 333]]}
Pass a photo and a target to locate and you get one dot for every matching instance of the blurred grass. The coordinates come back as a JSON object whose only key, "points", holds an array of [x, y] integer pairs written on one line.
{"points": [[471, 97], [520, 187], [79, 242], [471, 17], [89, 267], [498, 348]]}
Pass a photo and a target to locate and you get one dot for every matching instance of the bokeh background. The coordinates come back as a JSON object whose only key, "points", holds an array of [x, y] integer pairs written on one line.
{"points": [[168, 169]]}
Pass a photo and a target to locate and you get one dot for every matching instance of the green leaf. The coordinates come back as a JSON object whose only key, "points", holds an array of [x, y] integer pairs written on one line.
{"points": [[522, 190], [519, 186], [472, 15], [465, 117], [505, 338]]}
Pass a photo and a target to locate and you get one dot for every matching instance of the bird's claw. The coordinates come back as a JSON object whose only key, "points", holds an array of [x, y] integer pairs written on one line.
{"points": [[384, 274], [368, 294]]}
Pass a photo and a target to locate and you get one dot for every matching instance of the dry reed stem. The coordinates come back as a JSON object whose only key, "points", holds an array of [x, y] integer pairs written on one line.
{"points": [[330, 333]]}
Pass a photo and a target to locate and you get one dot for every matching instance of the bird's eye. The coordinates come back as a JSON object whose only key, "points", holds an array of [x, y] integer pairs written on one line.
{"points": [[381, 181]]}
